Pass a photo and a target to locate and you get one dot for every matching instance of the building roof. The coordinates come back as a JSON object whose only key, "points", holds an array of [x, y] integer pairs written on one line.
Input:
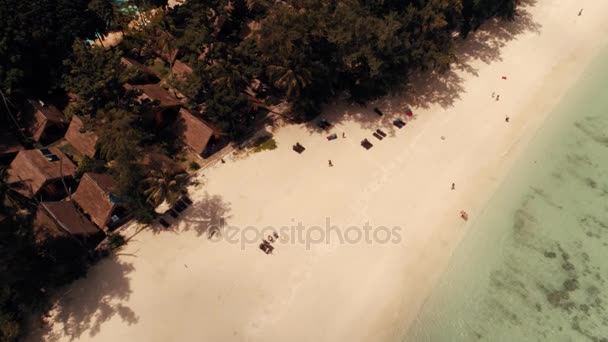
{"points": [[181, 70], [39, 116], [9, 143], [193, 131], [34, 168], [83, 142], [154, 92], [94, 196], [67, 217]]}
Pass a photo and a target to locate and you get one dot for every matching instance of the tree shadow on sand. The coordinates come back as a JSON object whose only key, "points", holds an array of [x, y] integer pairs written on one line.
{"points": [[430, 89], [206, 216], [88, 303]]}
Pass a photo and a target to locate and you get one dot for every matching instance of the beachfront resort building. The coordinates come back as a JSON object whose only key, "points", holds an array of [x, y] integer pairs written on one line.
{"points": [[44, 122], [166, 104], [41, 173], [64, 217], [96, 199], [84, 142], [195, 133]]}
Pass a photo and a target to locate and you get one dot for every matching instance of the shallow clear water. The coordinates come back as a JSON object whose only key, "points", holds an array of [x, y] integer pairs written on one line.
{"points": [[534, 265]]}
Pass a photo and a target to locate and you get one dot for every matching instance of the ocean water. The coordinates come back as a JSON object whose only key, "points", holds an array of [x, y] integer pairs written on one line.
{"points": [[534, 264]]}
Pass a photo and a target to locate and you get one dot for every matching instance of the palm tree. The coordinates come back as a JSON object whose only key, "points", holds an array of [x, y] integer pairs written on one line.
{"points": [[163, 187], [225, 74], [292, 81]]}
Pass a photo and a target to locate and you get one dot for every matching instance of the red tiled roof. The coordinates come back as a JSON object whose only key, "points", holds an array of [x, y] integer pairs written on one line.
{"points": [[40, 116], [154, 92], [93, 196], [34, 170], [83, 142], [67, 217], [192, 131]]}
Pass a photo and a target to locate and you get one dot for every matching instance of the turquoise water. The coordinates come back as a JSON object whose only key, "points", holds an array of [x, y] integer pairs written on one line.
{"points": [[534, 265]]}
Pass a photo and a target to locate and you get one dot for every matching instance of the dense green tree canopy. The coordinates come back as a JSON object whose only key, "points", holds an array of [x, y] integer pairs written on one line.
{"points": [[35, 38]]}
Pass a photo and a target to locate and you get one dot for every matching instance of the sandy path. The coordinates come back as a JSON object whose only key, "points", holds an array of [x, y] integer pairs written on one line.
{"points": [[182, 287]]}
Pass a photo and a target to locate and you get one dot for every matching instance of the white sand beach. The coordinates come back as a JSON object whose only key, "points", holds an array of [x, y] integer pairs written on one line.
{"points": [[177, 285]]}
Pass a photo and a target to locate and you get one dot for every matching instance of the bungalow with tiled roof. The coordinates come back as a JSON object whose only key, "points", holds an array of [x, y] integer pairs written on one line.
{"points": [[194, 132], [165, 102], [94, 196], [64, 217], [40, 172], [82, 141], [45, 123]]}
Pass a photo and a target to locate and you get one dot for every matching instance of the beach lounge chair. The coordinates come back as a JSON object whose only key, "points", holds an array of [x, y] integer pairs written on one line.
{"points": [[378, 136], [379, 131], [266, 247], [164, 223], [378, 111], [366, 144], [332, 137], [398, 123], [298, 148]]}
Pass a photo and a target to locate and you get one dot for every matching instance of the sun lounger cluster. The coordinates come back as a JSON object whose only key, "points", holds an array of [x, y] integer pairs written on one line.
{"points": [[366, 144], [399, 123], [298, 148], [379, 134], [181, 205], [266, 245]]}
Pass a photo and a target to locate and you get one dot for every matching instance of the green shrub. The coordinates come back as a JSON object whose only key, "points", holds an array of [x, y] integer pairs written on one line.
{"points": [[265, 142], [194, 166], [116, 240]]}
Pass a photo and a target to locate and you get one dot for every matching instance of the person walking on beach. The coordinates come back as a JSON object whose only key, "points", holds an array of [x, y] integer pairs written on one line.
{"points": [[453, 186], [343, 135], [580, 12], [507, 118], [497, 97], [330, 163]]}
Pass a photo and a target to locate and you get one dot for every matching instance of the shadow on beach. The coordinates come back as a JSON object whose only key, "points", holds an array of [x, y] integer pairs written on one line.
{"points": [[430, 89], [85, 305], [205, 216]]}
